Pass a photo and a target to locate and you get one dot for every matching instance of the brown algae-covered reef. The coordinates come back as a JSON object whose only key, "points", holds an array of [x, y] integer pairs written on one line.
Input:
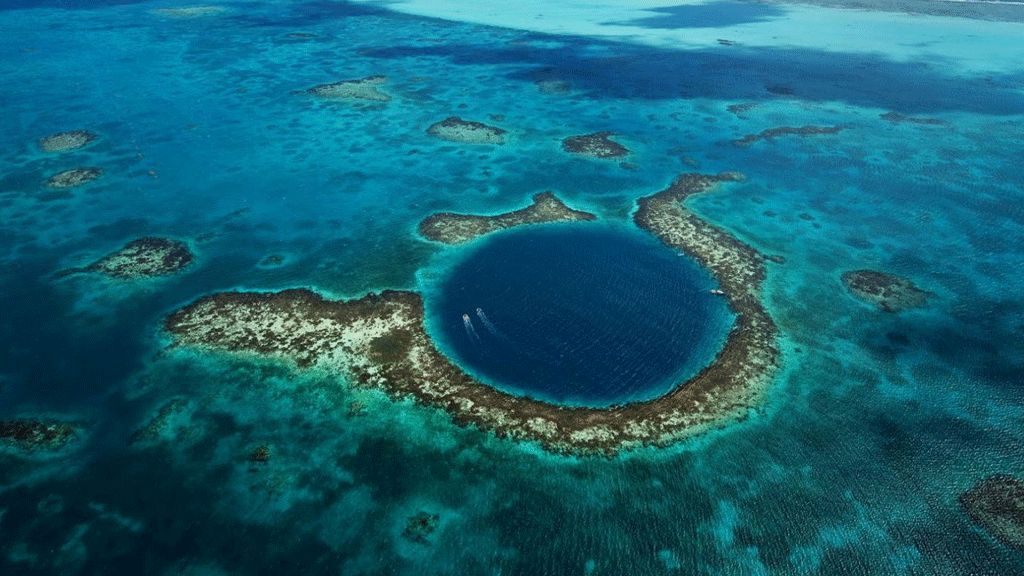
{"points": [[897, 118], [161, 421], [380, 340], [596, 145], [32, 434], [66, 141], [360, 89], [997, 505], [773, 133], [74, 177], [887, 291], [145, 257], [452, 228], [455, 129], [742, 108]]}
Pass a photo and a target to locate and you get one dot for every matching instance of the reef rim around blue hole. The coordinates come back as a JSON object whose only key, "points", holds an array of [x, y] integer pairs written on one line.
{"points": [[592, 315]]}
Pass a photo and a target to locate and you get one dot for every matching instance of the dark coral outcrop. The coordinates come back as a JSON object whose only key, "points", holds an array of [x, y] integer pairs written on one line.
{"points": [[596, 145], [145, 257], [452, 228], [773, 133], [368, 89], [887, 291], [66, 141], [996, 504], [74, 177], [34, 434]]}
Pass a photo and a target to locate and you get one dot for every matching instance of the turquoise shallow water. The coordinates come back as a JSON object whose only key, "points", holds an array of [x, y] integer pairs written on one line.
{"points": [[875, 425]]}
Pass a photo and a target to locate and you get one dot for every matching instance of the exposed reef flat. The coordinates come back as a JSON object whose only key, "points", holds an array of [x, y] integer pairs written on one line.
{"points": [[772, 133], [997, 505], [596, 145], [74, 177], [738, 377], [66, 141], [141, 258], [456, 129], [36, 435], [897, 118], [380, 340], [452, 228], [889, 292], [361, 89]]}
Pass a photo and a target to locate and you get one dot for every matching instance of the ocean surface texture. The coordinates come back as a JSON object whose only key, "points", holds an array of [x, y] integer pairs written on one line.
{"points": [[871, 135]]}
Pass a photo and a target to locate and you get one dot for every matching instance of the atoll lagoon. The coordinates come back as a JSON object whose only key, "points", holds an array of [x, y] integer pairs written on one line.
{"points": [[583, 407], [547, 287]]}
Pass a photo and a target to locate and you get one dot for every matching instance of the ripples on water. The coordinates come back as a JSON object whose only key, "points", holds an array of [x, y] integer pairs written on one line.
{"points": [[876, 425]]}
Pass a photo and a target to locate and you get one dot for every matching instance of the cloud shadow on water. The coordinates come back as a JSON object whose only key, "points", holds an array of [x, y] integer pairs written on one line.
{"points": [[709, 15], [609, 70]]}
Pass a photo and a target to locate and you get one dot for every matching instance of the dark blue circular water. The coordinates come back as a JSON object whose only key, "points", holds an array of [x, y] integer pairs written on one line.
{"points": [[578, 314]]}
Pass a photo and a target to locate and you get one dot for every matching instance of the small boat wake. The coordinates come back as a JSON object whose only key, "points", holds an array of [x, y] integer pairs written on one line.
{"points": [[487, 322], [470, 330]]}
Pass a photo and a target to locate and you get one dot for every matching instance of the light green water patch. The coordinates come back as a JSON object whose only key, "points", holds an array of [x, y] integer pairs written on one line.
{"points": [[942, 39]]}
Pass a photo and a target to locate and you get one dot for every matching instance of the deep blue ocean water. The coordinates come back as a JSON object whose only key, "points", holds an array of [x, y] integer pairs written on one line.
{"points": [[875, 425], [579, 314]]}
